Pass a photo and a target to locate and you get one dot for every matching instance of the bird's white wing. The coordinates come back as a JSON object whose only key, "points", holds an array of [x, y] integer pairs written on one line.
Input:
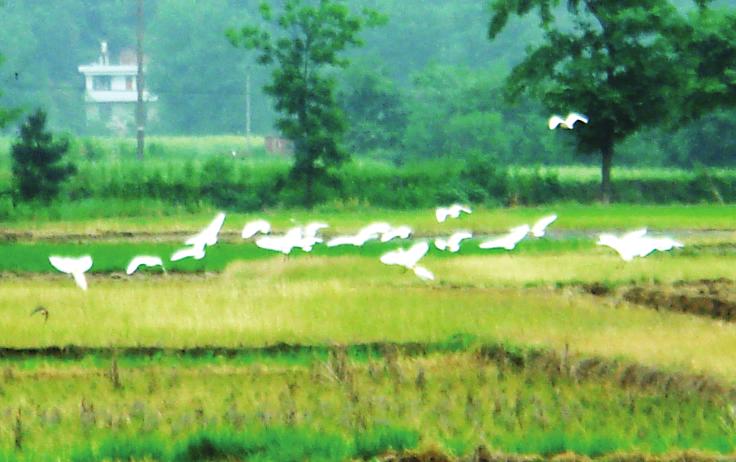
{"points": [[341, 240], [146, 260], [454, 242], [440, 243], [311, 229], [402, 232], [633, 235], [441, 214], [255, 227], [71, 265], [271, 243], [394, 257], [574, 117], [80, 279], [423, 273], [194, 251], [373, 230], [555, 121], [541, 225], [496, 243], [415, 253], [457, 208], [208, 236]]}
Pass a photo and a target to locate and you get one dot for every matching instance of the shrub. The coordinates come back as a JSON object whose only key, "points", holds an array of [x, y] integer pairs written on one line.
{"points": [[37, 168]]}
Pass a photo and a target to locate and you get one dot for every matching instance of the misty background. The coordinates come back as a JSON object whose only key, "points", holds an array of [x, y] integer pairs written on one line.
{"points": [[426, 85]]}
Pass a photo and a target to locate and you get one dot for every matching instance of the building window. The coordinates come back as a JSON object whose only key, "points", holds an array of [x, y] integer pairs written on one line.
{"points": [[101, 82], [129, 83]]}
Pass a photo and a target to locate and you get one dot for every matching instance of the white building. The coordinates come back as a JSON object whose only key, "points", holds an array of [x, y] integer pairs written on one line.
{"points": [[111, 92]]}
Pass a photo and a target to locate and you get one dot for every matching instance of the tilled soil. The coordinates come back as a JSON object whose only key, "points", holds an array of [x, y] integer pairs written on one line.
{"points": [[715, 298]]}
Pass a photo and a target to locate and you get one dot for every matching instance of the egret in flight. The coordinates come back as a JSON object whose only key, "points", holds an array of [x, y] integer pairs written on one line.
{"points": [[507, 241], [568, 122], [452, 243], [255, 227], [143, 260], [453, 211], [198, 242], [74, 266], [539, 228], [409, 259]]}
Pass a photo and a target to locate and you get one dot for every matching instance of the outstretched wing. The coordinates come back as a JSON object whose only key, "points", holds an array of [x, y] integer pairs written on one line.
{"points": [[423, 273], [555, 121], [415, 253], [541, 225], [254, 227], [574, 117]]}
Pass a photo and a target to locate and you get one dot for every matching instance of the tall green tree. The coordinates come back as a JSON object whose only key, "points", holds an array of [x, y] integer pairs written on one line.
{"points": [[38, 170], [305, 41], [618, 61]]}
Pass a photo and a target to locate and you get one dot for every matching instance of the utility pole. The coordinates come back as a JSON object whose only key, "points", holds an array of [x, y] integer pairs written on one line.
{"points": [[247, 103], [140, 110]]}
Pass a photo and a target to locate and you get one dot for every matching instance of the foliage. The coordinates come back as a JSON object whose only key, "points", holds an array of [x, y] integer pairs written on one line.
{"points": [[374, 106], [619, 59], [37, 168], [310, 42]]}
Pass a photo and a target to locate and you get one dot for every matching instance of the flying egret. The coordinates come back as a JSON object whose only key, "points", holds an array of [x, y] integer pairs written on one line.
{"points": [[145, 260], [423, 273], [452, 243], [311, 229], [637, 244], [74, 266], [402, 232], [195, 252], [198, 242], [365, 234], [406, 258], [539, 228], [453, 211], [255, 227], [507, 241], [208, 236], [568, 122]]}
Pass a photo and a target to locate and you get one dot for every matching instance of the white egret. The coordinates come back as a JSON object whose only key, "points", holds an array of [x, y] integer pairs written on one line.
{"points": [[401, 232], [423, 273], [568, 122], [507, 241], [367, 233], [196, 252], [637, 244], [74, 266], [208, 236], [255, 227], [452, 243], [145, 260], [406, 258], [453, 211], [539, 228]]}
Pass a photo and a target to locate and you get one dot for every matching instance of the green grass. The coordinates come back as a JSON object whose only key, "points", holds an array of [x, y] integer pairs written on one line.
{"points": [[152, 217], [338, 409], [349, 300]]}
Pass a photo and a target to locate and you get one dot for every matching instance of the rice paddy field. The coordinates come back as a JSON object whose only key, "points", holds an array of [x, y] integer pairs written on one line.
{"points": [[557, 350]]}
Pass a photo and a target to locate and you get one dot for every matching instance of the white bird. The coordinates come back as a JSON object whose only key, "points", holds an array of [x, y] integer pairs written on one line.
{"points": [[423, 273], [198, 242], [286, 243], [507, 241], [402, 232], [452, 243], [311, 229], [568, 122], [406, 258], [208, 236], [453, 211], [255, 227], [637, 244], [367, 233], [539, 228], [74, 266], [193, 251], [145, 260]]}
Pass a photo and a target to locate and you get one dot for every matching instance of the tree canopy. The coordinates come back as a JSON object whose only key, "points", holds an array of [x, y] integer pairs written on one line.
{"points": [[619, 61], [305, 41]]}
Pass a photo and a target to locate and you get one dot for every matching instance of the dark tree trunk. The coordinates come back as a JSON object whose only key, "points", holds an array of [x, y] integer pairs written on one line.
{"points": [[606, 162]]}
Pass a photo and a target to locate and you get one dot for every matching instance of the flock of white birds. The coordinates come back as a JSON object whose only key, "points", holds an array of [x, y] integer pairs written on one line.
{"points": [[629, 246]]}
